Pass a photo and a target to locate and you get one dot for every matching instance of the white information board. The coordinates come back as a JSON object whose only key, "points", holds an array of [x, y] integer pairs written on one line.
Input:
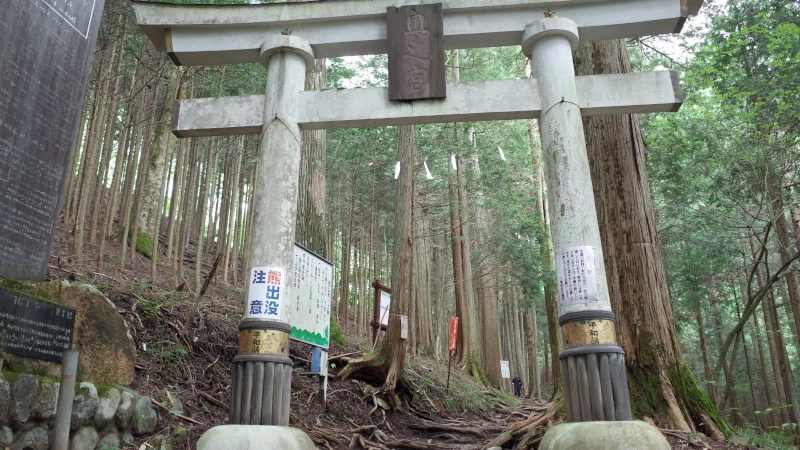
{"points": [[311, 289], [386, 301], [505, 370]]}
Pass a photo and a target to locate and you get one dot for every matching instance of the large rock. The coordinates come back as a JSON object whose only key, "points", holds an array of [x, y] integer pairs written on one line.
{"points": [[110, 441], [107, 408], [85, 439], [127, 438], [84, 406], [23, 393], [633, 434], [45, 405], [125, 410], [33, 439], [107, 351], [160, 443], [5, 399], [252, 437], [6, 436], [145, 418], [178, 436]]}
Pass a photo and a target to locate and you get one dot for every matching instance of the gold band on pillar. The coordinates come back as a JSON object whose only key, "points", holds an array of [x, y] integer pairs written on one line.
{"points": [[584, 332], [263, 342]]}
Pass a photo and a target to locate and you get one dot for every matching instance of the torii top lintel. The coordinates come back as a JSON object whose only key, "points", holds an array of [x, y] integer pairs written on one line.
{"points": [[232, 34]]}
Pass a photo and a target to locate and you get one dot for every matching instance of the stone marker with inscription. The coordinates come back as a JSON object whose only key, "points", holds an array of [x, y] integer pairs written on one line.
{"points": [[416, 52], [46, 49], [34, 328]]}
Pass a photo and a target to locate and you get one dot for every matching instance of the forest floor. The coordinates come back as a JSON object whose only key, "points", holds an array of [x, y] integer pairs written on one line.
{"points": [[185, 345]]}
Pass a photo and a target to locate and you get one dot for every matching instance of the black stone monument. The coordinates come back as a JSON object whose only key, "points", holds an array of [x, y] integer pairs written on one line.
{"points": [[46, 48], [34, 328]]}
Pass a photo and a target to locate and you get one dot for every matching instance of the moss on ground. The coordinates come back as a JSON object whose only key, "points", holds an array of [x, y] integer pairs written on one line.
{"points": [[144, 245], [103, 389], [336, 333], [41, 289], [12, 376]]}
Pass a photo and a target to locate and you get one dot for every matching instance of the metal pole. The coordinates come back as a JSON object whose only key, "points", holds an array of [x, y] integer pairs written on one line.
{"points": [[588, 328], [66, 394], [262, 381]]}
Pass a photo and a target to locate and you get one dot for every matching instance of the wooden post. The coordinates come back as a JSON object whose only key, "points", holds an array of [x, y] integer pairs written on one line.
{"points": [[376, 310]]}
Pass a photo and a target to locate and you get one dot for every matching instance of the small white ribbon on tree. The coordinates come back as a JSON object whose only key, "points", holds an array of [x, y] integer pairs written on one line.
{"points": [[453, 161], [397, 170], [427, 171]]}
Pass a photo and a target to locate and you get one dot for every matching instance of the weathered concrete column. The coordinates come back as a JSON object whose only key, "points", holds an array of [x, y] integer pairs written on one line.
{"points": [[262, 372], [592, 364]]}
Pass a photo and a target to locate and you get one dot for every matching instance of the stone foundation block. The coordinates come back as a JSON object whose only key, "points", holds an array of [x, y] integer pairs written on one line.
{"points": [[252, 437], [633, 434]]}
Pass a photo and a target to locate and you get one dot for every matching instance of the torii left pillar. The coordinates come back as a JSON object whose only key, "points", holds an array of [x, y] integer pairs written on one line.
{"points": [[262, 372]]}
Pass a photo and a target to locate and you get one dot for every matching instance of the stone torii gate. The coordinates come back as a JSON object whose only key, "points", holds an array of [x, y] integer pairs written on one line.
{"points": [[286, 37]]}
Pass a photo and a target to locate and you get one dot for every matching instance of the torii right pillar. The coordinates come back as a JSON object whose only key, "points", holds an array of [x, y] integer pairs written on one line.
{"points": [[592, 364]]}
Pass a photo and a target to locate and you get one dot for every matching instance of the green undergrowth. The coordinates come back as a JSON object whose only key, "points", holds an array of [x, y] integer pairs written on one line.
{"points": [[775, 440], [144, 243], [336, 333]]}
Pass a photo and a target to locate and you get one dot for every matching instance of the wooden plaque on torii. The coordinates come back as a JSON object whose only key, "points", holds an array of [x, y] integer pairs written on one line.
{"points": [[416, 52]]}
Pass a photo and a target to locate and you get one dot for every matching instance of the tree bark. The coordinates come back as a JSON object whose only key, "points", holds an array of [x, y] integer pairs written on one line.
{"points": [[785, 244], [311, 232], [662, 387], [387, 364], [711, 386], [533, 352], [344, 296], [122, 155], [161, 147]]}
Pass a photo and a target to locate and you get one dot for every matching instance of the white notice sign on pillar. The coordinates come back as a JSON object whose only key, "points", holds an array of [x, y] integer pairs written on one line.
{"points": [[265, 293], [577, 275]]}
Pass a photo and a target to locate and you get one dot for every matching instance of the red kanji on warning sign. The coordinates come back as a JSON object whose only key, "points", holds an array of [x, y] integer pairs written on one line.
{"points": [[274, 277]]}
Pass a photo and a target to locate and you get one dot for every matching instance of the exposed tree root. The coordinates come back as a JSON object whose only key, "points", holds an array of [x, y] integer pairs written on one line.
{"points": [[376, 370], [430, 426], [528, 431], [370, 369], [407, 443]]}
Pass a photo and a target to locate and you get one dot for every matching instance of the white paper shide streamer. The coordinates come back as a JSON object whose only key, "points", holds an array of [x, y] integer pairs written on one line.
{"points": [[453, 161], [427, 171], [397, 170], [502, 155]]}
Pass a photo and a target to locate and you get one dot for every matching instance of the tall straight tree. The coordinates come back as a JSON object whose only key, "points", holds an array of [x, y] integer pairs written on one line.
{"points": [[387, 365], [662, 387]]}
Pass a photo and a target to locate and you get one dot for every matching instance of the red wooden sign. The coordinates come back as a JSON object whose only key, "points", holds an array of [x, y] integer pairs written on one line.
{"points": [[453, 333]]}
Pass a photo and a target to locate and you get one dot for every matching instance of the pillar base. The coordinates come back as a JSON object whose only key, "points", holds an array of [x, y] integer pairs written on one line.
{"points": [[252, 437], [604, 436], [262, 375]]}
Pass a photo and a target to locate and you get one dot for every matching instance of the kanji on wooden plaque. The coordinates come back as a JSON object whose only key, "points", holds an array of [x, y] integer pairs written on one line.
{"points": [[416, 52]]}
